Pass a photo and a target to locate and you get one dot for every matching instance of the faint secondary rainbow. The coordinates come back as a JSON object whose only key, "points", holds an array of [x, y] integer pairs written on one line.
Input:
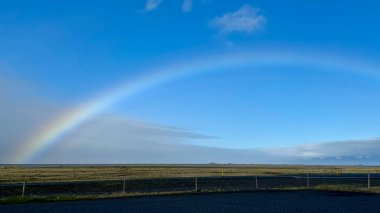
{"points": [[72, 119]]}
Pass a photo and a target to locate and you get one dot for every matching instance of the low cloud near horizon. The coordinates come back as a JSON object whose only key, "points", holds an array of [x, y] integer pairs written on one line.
{"points": [[113, 138]]}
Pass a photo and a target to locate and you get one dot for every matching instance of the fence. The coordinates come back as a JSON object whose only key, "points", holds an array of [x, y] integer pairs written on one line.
{"points": [[237, 183]]}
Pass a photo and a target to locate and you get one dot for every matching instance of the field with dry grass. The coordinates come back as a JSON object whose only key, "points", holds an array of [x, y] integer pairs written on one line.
{"points": [[58, 173]]}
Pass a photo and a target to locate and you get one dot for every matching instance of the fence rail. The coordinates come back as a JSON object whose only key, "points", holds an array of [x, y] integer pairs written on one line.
{"points": [[225, 183]]}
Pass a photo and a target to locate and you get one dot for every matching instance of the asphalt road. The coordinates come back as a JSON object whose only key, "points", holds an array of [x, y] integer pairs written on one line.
{"points": [[261, 201]]}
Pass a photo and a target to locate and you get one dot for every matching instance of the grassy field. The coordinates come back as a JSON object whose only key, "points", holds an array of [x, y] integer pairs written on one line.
{"points": [[209, 180], [53, 173]]}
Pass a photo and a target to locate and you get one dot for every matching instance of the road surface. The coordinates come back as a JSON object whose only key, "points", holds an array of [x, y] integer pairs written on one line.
{"points": [[260, 201]]}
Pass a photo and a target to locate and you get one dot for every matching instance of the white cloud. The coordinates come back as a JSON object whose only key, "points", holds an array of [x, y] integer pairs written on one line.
{"points": [[118, 139], [339, 151], [152, 5], [245, 20], [187, 6], [121, 140], [114, 138]]}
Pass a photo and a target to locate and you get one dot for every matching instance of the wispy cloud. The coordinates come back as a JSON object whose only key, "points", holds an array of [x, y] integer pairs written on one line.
{"points": [[152, 5], [187, 6], [246, 19], [22, 114], [119, 139], [128, 141], [337, 151]]}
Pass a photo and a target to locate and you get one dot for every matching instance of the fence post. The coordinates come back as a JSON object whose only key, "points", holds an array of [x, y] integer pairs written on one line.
{"points": [[257, 184], [369, 181], [196, 184], [308, 181], [124, 186], [23, 189]]}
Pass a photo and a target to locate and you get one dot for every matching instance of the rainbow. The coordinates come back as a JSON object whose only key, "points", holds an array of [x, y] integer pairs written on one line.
{"points": [[72, 119]]}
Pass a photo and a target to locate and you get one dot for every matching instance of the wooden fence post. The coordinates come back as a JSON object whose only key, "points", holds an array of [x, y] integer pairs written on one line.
{"points": [[124, 186], [308, 181], [257, 183], [23, 189], [196, 184], [369, 182]]}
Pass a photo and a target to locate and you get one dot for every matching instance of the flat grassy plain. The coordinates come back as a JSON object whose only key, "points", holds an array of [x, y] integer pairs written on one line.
{"points": [[60, 173], [80, 182]]}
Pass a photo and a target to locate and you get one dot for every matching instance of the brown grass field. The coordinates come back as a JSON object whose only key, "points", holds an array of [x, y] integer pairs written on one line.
{"points": [[57, 173]]}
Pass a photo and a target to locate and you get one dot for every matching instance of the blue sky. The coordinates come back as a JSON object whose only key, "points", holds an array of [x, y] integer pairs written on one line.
{"points": [[57, 56]]}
